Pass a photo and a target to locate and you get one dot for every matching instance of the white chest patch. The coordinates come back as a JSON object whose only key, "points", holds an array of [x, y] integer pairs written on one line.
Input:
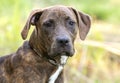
{"points": [[55, 75]]}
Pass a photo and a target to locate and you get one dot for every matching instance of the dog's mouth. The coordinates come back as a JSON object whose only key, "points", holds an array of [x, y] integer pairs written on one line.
{"points": [[59, 51], [55, 58], [64, 52]]}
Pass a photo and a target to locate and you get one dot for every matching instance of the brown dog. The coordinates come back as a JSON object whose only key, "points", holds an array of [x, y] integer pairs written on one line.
{"points": [[54, 34]]}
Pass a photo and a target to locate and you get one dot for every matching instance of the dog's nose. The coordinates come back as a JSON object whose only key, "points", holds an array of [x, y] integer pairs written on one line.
{"points": [[62, 40]]}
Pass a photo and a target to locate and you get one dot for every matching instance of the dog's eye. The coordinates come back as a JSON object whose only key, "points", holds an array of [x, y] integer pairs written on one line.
{"points": [[72, 23], [47, 24]]}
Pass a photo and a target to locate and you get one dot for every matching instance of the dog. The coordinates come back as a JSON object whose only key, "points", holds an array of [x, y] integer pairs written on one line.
{"points": [[41, 59]]}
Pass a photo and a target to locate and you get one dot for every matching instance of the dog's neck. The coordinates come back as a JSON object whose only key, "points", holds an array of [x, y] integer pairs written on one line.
{"points": [[47, 58], [37, 43]]}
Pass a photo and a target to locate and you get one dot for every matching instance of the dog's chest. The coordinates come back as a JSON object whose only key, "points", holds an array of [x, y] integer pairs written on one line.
{"points": [[32, 74], [28, 75]]}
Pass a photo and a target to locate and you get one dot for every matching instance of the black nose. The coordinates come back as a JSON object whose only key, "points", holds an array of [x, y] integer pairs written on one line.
{"points": [[62, 40]]}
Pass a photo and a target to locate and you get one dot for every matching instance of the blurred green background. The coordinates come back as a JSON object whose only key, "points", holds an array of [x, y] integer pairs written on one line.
{"points": [[97, 59]]}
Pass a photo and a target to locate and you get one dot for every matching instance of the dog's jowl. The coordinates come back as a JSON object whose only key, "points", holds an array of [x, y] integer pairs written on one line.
{"points": [[42, 57]]}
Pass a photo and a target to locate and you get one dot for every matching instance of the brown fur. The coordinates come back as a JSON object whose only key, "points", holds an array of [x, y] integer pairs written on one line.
{"points": [[29, 63]]}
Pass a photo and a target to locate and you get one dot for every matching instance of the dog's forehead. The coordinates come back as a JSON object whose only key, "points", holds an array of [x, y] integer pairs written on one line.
{"points": [[58, 12]]}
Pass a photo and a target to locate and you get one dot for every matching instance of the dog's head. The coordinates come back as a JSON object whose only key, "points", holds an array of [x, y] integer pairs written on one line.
{"points": [[56, 29]]}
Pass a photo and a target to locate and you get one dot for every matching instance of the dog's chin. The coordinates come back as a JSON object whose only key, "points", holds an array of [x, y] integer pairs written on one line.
{"points": [[65, 53]]}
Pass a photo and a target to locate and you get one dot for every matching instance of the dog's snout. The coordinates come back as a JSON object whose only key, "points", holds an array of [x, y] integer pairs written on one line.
{"points": [[62, 40]]}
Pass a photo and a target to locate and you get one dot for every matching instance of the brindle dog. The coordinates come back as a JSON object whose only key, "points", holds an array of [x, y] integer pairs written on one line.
{"points": [[54, 34]]}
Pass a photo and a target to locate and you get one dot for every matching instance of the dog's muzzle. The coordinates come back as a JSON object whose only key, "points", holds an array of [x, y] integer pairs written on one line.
{"points": [[62, 45]]}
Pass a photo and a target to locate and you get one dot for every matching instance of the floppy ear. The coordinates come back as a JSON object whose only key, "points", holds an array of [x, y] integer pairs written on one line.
{"points": [[32, 19], [84, 23]]}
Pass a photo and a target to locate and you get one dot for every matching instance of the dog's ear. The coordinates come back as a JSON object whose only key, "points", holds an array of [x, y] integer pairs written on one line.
{"points": [[32, 19], [84, 23]]}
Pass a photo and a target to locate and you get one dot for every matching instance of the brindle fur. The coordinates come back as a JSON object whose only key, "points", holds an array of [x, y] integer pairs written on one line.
{"points": [[29, 66]]}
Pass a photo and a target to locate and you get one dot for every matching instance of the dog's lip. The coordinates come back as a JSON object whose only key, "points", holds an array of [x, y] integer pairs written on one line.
{"points": [[64, 53], [60, 54]]}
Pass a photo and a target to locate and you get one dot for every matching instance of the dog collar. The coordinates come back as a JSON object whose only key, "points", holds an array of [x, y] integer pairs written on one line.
{"points": [[49, 59]]}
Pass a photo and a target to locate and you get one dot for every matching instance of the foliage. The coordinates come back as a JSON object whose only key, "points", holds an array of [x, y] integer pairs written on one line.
{"points": [[11, 22]]}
